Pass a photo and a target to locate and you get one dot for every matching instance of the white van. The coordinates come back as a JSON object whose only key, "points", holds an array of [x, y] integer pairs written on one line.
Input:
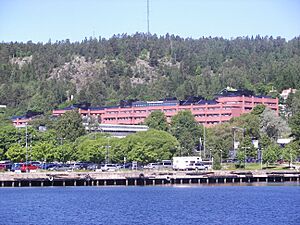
{"points": [[186, 162]]}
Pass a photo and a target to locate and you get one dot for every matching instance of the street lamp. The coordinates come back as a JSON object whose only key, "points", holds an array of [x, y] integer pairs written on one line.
{"points": [[245, 155], [261, 158], [221, 157], [107, 151], [234, 129], [26, 144], [204, 140]]}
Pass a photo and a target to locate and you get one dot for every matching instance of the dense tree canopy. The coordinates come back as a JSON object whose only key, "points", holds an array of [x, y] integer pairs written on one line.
{"points": [[295, 125], [187, 131], [157, 120], [69, 126], [41, 76], [273, 125]]}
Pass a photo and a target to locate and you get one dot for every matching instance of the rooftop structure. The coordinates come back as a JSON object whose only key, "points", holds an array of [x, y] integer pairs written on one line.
{"points": [[227, 104], [21, 121], [118, 130]]}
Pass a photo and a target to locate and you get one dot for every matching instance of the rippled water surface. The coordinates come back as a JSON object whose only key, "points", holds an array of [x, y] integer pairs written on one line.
{"points": [[239, 205]]}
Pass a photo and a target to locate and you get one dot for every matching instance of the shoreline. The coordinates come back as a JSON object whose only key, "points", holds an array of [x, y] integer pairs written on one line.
{"points": [[145, 178]]}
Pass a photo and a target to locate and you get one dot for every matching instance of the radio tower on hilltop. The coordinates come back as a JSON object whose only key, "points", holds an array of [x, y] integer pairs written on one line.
{"points": [[148, 21]]}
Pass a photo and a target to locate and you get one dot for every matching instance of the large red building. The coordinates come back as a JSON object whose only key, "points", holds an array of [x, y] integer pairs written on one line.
{"points": [[227, 104]]}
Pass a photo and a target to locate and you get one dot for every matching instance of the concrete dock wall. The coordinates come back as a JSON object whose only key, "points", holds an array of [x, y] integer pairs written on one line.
{"points": [[143, 178]]}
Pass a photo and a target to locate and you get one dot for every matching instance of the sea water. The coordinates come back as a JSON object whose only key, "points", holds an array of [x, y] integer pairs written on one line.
{"points": [[241, 205]]}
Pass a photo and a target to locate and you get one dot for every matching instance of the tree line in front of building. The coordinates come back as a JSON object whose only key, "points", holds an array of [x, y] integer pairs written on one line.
{"points": [[66, 139]]}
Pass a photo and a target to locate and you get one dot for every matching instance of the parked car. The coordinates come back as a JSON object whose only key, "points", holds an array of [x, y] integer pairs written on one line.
{"points": [[47, 166], [16, 167], [28, 167], [61, 167], [196, 166], [36, 163], [93, 166], [200, 166], [109, 167], [132, 166], [6, 165], [2, 167], [80, 166], [153, 166], [75, 166], [167, 163]]}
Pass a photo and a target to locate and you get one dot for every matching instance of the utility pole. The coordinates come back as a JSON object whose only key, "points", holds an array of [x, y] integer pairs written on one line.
{"points": [[107, 151], [204, 140], [26, 146], [261, 158]]}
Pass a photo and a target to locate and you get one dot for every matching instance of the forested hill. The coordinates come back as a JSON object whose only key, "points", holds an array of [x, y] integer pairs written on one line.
{"points": [[37, 76]]}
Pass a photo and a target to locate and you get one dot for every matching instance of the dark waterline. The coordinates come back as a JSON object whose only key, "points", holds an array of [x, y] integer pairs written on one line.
{"points": [[240, 205]]}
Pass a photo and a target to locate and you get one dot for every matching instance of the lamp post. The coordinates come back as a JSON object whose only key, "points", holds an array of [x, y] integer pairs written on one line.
{"points": [[26, 145], [107, 151], [245, 155], [234, 129], [204, 140], [221, 157], [261, 158], [61, 146]]}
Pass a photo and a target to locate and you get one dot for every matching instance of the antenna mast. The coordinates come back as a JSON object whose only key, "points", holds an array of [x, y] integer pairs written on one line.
{"points": [[148, 29]]}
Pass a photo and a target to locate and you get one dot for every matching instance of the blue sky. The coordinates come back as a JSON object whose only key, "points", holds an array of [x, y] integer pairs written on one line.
{"points": [[40, 20]]}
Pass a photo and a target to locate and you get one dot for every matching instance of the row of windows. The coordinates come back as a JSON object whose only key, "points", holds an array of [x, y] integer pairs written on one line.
{"points": [[197, 115], [212, 115], [124, 118], [210, 122], [180, 109], [170, 110]]}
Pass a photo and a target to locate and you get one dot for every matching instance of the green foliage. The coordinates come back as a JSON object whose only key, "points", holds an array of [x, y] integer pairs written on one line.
{"points": [[45, 79], [43, 151], [291, 152], [133, 66], [292, 104], [258, 110], [69, 126], [157, 120], [241, 158], [4, 121], [273, 125], [16, 153], [8, 137], [92, 150], [217, 162], [271, 154], [148, 146], [219, 138], [143, 147], [295, 125], [187, 131], [264, 141], [250, 122], [64, 152], [42, 121], [248, 148]]}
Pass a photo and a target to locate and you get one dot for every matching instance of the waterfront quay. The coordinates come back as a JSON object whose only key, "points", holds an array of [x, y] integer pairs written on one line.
{"points": [[144, 178]]}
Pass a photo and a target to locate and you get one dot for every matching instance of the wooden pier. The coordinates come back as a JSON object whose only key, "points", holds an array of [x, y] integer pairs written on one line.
{"points": [[144, 178]]}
